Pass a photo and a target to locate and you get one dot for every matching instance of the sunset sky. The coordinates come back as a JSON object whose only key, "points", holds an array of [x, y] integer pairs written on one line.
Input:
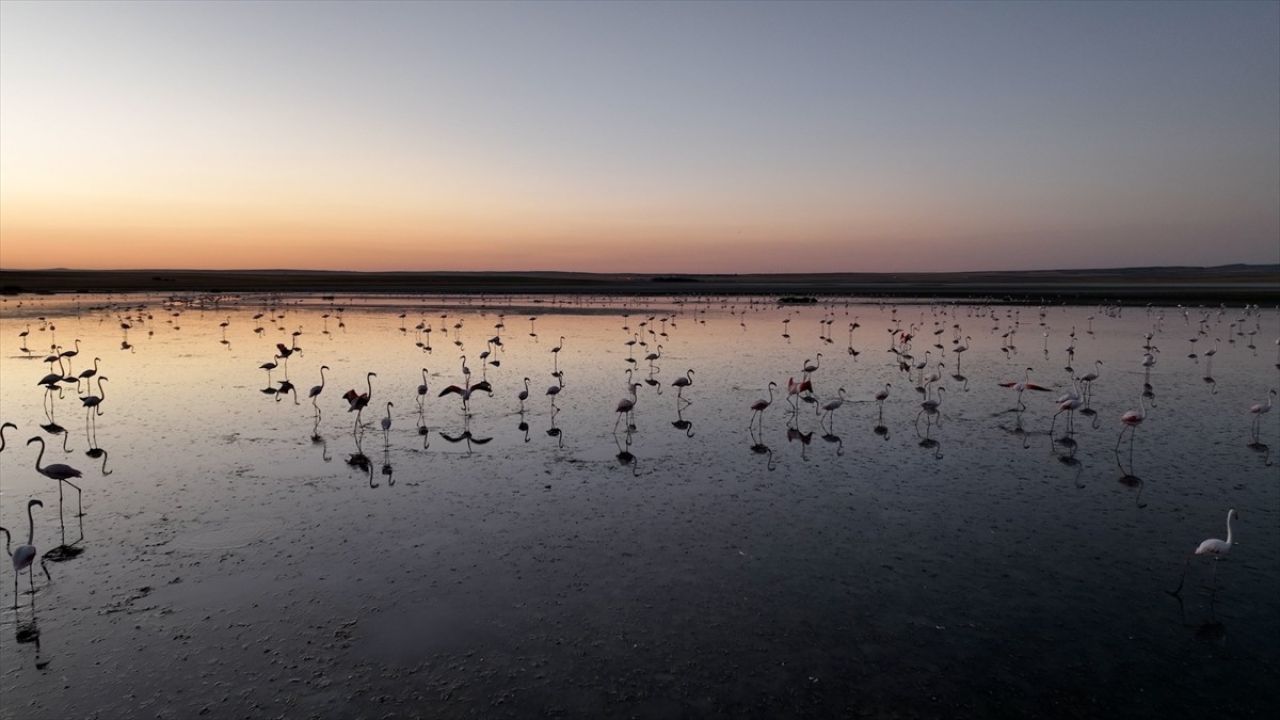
{"points": [[674, 137]]}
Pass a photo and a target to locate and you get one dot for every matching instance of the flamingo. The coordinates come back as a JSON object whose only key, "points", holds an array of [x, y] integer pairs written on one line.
{"points": [[833, 405], [1026, 384], [958, 349], [269, 366], [317, 389], [810, 369], [552, 392], [90, 372], [95, 401], [357, 401], [681, 383], [1088, 378], [1214, 548], [2, 429], [1132, 419], [58, 471], [52, 379], [759, 406], [795, 388], [68, 354], [930, 407], [651, 357], [625, 406], [422, 389], [386, 421], [25, 555], [883, 395], [523, 394], [1258, 410], [1068, 405]]}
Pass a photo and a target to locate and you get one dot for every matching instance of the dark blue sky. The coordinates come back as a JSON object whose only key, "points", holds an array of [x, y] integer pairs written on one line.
{"points": [[660, 136]]}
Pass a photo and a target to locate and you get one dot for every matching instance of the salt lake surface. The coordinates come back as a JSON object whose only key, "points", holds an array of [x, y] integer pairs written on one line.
{"points": [[240, 557]]}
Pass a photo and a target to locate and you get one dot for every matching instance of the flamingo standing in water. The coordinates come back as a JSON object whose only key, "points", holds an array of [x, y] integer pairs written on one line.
{"points": [[930, 408], [759, 406], [359, 402], [523, 394], [1214, 548], [681, 383], [58, 471], [92, 402], [795, 388], [1087, 379], [1258, 410], [25, 555], [90, 372], [386, 422], [555, 353], [1132, 419], [883, 395], [1069, 405], [317, 389], [625, 406], [832, 406], [810, 369], [422, 389]]}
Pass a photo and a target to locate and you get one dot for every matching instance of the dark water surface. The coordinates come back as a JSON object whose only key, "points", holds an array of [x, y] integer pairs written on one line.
{"points": [[234, 558]]}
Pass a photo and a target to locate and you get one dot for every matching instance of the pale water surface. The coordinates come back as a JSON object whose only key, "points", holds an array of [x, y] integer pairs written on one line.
{"points": [[540, 564]]}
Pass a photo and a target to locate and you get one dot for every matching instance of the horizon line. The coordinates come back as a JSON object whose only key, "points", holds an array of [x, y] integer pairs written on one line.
{"points": [[637, 273]]}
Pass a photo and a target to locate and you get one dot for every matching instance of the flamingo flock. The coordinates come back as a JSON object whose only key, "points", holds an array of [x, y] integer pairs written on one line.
{"points": [[940, 329]]}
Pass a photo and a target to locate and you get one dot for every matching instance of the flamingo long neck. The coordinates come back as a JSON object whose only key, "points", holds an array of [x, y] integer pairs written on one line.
{"points": [[40, 455], [322, 377], [368, 379], [1229, 538], [102, 395], [31, 525], [770, 394]]}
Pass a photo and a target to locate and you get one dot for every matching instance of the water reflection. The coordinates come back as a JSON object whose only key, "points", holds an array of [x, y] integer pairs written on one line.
{"points": [[625, 456], [759, 447], [180, 389], [679, 423], [554, 431], [467, 437]]}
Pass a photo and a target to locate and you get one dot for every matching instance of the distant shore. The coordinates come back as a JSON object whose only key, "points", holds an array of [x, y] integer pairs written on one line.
{"points": [[1228, 283]]}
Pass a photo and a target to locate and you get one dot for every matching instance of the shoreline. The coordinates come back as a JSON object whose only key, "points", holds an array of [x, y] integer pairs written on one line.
{"points": [[1231, 283]]}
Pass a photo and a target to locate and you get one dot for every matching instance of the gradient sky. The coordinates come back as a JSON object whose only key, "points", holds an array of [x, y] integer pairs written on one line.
{"points": [[671, 137]]}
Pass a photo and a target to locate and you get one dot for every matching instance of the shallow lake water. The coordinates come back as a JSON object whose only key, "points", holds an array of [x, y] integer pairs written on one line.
{"points": [[243, 554]]}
